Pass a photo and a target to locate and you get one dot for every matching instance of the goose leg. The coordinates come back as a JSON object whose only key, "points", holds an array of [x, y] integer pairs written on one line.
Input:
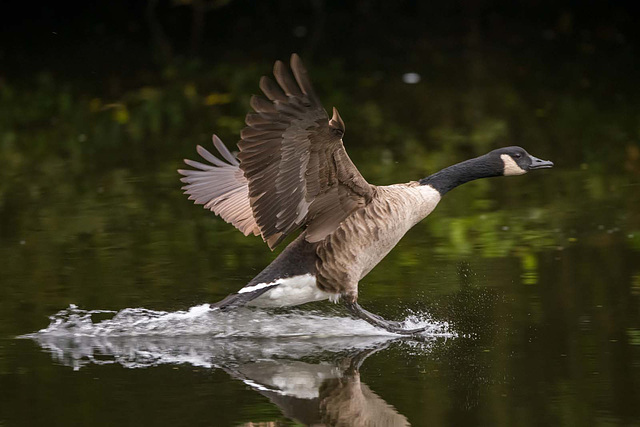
{"points": [[388, 325]]}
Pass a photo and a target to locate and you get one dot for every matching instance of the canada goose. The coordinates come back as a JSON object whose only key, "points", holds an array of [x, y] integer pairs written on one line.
{"points": [[320, 394], [292, 172]]}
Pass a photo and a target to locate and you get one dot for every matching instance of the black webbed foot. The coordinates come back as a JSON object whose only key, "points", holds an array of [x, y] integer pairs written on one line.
{"points": [[388, 325]]}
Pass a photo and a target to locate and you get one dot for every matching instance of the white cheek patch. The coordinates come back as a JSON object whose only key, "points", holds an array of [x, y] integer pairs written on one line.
{"points": [[510, 166]]}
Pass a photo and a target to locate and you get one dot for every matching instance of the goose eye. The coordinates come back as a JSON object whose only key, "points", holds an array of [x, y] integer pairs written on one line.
{"points": [[517, 155]]}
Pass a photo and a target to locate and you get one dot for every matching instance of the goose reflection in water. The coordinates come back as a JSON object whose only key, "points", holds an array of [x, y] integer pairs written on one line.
{"points": [[321, 394], [326, 391]]}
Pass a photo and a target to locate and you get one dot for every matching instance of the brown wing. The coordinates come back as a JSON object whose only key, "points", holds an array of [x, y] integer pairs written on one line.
{"points": [[292, 156], [221, 187]]}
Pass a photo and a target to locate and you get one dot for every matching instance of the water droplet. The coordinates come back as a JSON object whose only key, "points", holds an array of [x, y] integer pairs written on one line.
{"points": [[411, 78]]}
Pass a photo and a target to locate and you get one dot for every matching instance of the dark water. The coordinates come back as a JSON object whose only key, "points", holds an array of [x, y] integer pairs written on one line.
{"points": [[531, 284]]}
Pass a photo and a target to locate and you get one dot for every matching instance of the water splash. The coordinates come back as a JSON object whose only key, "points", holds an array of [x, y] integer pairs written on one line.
{"points": [[206, 337], [204, 320]]}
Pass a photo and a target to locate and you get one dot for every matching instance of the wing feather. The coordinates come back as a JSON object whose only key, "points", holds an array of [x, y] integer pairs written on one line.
{"points": [[272, 90], [292, 170], [221, 187], [288, 153], [262, 105], [286, 81]]}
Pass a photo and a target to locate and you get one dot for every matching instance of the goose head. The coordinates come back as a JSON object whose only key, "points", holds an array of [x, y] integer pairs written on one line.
{"points": [[516, 161], [506, 161]]}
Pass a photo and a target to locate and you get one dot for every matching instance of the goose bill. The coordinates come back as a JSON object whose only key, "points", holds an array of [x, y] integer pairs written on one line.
{"points": [[537, 163]]}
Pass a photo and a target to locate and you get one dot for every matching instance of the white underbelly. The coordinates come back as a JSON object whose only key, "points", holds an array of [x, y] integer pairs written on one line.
{"points": [[294, 290]]}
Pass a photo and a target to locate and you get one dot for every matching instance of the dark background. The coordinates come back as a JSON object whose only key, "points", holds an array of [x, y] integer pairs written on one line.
{"points": [[123, 38], [551, 53]]}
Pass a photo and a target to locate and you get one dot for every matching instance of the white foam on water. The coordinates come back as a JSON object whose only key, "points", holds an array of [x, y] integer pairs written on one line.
{"points": [[207, 337], [204, 320], [415, 320]]}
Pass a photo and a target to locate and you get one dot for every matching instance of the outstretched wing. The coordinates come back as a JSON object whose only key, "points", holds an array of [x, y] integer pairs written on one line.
{"points": [[292, 156], [221, 187]]}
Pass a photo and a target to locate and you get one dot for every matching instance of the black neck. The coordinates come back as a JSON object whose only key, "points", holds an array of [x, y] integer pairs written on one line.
{"points": [[449, 178]]}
